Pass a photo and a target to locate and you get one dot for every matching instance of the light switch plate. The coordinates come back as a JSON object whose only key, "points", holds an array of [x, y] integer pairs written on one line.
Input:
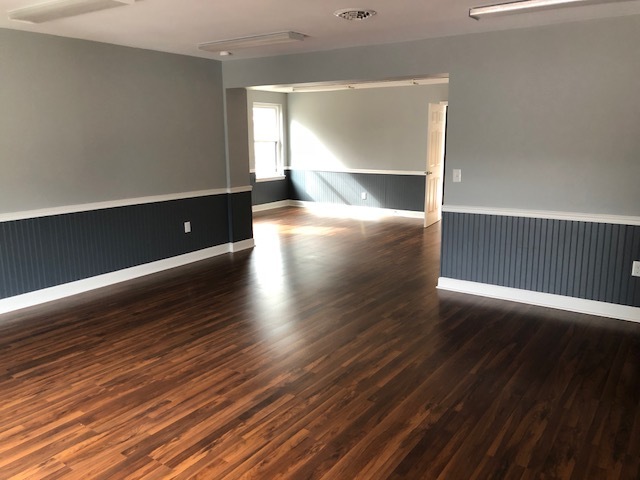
{"points": [[635, 271], [187, 227], [457, 175]]}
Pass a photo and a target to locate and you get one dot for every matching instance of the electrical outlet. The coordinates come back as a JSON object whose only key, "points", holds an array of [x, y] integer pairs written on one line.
{"points": [[363, 195], [187, 227], [635, 271]]}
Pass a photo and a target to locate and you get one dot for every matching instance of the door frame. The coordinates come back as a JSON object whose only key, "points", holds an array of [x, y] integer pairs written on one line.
{"points": [[444, 156]]}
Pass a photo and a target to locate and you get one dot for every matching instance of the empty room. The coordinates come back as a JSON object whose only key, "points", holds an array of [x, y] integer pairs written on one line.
{"points": [[303, 240]]}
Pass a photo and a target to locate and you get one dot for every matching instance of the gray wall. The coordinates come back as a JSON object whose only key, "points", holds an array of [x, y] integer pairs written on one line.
{"points": [[86, 122], [376, 129], [238, 137], [542, 118]]}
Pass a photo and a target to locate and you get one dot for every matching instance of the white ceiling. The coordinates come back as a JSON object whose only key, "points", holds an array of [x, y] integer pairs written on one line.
{"points": [[177, 26]]}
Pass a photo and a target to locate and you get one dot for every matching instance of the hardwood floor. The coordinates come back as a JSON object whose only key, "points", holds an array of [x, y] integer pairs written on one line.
{"points": [[325, 353]]}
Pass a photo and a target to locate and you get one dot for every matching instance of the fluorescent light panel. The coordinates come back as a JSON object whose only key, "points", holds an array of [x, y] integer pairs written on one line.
{"points": [[251, 42], [45, 12], [526, 6]]}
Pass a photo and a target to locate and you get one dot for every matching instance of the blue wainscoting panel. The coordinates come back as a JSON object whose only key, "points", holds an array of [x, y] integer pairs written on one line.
{"points": [[240, 217], [269, 192], [399, 192], [42, 252], [577, 259]]}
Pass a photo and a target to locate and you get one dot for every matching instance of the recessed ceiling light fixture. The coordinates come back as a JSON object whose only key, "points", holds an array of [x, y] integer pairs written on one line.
{"points": [[355, 14], [526, 6], [251, 42], [45, 12]]}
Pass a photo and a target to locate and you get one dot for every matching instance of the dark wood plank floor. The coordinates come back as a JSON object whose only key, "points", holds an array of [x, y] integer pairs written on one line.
{"points": [[324, 353]]}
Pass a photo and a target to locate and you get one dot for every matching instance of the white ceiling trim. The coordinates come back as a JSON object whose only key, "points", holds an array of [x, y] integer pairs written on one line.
{"points": [[352, 85]]}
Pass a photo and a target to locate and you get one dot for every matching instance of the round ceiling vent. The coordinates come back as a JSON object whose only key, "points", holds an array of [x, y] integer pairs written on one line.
{"points": [[355, 13]]}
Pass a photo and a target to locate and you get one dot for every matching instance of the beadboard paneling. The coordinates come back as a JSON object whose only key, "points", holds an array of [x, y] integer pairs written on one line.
{"points": [[577, 259], [269, 192], [37, 253], [240, 217], [400, 192]]}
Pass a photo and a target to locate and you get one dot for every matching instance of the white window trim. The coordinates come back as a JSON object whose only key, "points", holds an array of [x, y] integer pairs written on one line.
{"points": [[281, 150], [270, 179]]}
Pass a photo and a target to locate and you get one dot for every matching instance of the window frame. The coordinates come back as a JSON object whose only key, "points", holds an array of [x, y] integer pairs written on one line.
{"points": [[279, 171]]}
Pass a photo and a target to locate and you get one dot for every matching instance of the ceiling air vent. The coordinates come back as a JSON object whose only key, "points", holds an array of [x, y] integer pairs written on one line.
{"points": [[355, 14]]}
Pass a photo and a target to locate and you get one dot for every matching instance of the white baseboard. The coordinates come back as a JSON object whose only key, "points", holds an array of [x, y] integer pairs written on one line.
{"points": [[242, 245], [271, 206], [355, 211], [560, 302], [58, 292]]}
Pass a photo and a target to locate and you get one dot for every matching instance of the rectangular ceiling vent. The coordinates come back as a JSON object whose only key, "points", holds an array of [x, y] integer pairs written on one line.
{"points": [[54, 10]]}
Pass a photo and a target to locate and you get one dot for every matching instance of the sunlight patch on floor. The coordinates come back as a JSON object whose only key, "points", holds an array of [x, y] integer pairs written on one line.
{"points": [[267, 262], [351, 212], [273, 297], [267, 234]]}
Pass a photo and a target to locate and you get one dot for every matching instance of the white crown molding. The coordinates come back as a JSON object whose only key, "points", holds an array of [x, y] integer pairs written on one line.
{"points": [[58, 292], [359, 170], [86, 207], [559, 302], [551, 215]]}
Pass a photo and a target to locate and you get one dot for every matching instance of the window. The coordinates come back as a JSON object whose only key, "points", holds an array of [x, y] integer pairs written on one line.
{"points": [[267, 140]]}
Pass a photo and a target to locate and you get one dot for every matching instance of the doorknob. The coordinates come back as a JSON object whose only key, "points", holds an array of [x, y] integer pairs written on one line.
{"points": [[429, 173]]}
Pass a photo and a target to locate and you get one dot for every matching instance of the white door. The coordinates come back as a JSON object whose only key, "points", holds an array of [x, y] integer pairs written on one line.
{"points": [[435, 163]]}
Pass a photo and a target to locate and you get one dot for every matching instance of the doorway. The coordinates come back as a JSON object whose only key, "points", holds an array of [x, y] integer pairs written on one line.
{"points": [[434, 174]]}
